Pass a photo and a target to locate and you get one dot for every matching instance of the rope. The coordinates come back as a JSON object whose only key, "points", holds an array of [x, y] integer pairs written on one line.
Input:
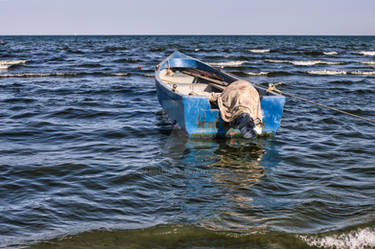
{"points": [[272, 88]]}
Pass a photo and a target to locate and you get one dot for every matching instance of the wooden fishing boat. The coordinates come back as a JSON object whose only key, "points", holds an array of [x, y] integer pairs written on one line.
{"points": [[182, 84]]}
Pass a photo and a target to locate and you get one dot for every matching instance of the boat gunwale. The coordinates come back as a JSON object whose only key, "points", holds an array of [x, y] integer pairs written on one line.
{"points": [[161, 82]]}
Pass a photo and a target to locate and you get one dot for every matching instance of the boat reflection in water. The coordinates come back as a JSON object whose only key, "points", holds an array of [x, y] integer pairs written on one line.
{"points": [[223, 179]]}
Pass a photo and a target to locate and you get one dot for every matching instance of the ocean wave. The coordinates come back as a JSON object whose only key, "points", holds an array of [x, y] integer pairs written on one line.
{"points": [[114, 74], [257, 73], [29, 75], [73, 51], [316, 53], [157, 49], [306, 63], [366, 53], [259, 50], [358, 239], [347, 82], [228, 63], [114, 48], [148, 75], [89, 65], [363, 72], [8, 64], [329, 72], [173, 236], [4, 66], [63, 74], [371, 63], [330, 53], [271, 73], [127, 60]]}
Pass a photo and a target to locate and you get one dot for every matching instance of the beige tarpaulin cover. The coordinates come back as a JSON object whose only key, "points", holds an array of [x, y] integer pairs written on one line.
{"points": [[239, 97]]}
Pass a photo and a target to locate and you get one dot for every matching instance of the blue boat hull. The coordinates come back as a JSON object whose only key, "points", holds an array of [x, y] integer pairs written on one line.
{"points": [[194, 113]]}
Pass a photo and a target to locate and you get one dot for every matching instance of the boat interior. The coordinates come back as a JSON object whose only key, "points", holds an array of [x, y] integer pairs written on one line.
{"points": [[186, 84], [194, 82]]}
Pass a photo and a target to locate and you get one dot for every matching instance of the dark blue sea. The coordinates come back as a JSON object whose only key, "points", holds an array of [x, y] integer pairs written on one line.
{"points": [[88, 158]]}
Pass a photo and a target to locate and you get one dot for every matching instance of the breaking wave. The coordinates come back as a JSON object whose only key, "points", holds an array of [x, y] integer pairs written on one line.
{"points": [[330, 53], [228, 63], [8, 64], [258, 73], [64, 74], [363, 72], [259, 50], [327, 72], [366, 53], [269, 74], [306, 63], [371, 63], [332, 72], [357, 239]]}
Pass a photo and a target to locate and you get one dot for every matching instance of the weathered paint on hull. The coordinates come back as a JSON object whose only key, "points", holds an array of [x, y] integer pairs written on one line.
{"points": [[194, 113]]}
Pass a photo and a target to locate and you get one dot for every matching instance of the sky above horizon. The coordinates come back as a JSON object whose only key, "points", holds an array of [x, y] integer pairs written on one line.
{"points": [[267, 17]]}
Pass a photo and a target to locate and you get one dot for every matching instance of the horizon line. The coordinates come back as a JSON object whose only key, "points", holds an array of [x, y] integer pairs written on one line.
{"points": [[179, 34]]}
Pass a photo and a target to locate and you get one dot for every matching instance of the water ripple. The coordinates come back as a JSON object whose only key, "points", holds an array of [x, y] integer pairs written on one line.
{"points": [[88, 158]]}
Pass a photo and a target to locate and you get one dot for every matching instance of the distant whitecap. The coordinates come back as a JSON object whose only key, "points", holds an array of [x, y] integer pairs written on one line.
{"points": [[363, 72], [8, 64], [257, 73], [371, 63], [306, 63], [259, 50], [366, 53], [228, 63], [327, 72], [330, 53]]}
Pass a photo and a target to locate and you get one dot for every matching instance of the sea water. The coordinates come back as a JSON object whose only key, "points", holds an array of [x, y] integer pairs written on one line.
{"points": [[88, 158]]}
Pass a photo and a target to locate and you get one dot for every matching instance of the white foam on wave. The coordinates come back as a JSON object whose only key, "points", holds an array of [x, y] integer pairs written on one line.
{"points": [[257, 73], [196, 50], [327, 72], [117, 74], [4, 65], [62, 74], [29, 75], [363, 72], [330, 53], [366, 53], [228, 63], [371, 63], [15, 62], [306, 63], [259, 50], [359, 239], [149, 75]]}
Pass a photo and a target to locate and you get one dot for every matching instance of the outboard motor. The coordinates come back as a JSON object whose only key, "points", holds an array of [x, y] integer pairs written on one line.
{"points": [[247, 126]]}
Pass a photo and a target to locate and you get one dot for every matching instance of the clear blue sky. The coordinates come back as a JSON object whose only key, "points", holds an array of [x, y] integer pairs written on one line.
{"points": [[301, 17]]}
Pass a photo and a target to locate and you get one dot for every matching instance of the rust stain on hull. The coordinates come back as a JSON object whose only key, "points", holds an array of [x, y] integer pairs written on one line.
{"points": [[203, 124]]}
